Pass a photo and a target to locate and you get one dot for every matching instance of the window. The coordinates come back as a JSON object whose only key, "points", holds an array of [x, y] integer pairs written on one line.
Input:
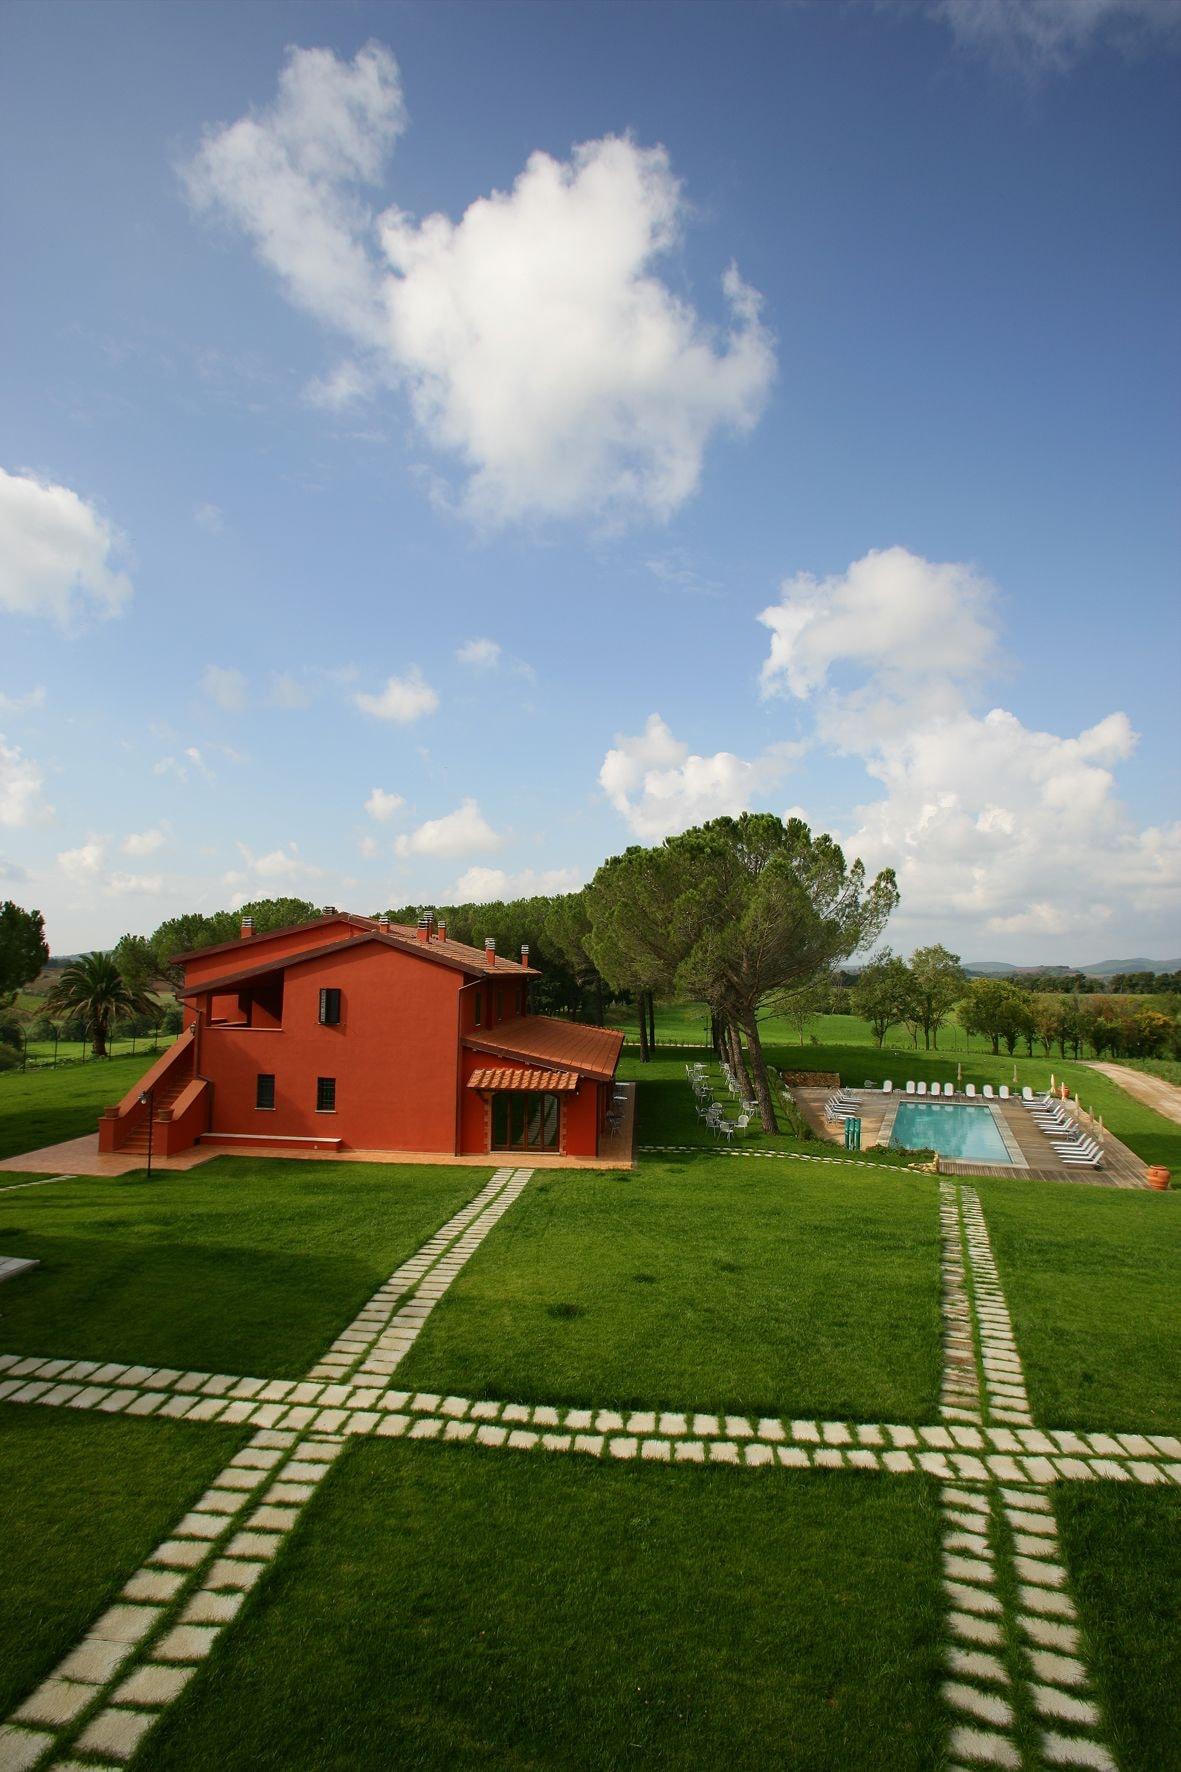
{"points": [[325, 1095], [330, 1008], [264, 1090], [525, 1122]]}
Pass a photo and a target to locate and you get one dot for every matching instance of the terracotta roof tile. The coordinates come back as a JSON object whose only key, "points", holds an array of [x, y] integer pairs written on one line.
{"points": [[458, 953], [519, 1077], [592, 1051]]}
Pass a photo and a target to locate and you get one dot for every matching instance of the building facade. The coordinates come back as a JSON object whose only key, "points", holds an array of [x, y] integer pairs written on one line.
{"points": [[352, 1033]]}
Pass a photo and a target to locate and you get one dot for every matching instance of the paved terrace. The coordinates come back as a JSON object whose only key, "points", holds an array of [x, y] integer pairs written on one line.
{"points": [[81, 1156], [1034, 1157]]}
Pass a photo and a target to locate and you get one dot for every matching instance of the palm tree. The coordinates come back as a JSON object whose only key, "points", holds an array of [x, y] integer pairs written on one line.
{"points": [[94, 988]]}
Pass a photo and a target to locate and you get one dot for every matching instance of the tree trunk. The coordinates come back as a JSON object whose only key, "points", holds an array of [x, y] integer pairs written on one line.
{"points": [[652, 1020], [733, 1045], [644, 1055], [98, 1043], [761, 1081]]}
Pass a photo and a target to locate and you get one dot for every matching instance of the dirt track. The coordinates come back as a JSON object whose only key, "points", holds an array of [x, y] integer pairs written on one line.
{"points": [[1154, 1092]]}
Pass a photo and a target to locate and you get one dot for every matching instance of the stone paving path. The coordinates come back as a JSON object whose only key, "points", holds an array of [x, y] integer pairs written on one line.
{"points": [[1018, 1690]]}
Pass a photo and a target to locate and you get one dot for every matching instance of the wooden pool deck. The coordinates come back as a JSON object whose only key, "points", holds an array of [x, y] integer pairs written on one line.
{"points": [[1033, 1156]]}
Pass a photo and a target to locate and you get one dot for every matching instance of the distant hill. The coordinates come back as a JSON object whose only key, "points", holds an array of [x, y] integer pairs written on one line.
{"points": [[1102, 969], [1105, 968]]}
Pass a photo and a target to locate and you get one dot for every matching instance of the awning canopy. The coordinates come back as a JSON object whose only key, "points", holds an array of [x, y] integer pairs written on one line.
{"points": [[518, 1077]]}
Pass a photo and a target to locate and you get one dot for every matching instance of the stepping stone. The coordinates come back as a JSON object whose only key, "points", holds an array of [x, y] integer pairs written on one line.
{"points": [[154, 1685], [187, 1642], [116, 1732], [56, 1702], [21, 1748]]}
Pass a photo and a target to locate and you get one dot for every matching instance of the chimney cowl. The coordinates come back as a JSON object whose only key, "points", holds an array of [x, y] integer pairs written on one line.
{"points": [[442, 929], [383, 922], [247, 928], [524, 953], [489, 950]]}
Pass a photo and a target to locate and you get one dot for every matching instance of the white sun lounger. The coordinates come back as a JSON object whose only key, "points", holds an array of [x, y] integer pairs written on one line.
{"points": [[949, 1089], [887, 1087], [988, 1091], [1004, 1092], [1027, 1094], [920, 1089], [970, 1091], [910, 1087]]}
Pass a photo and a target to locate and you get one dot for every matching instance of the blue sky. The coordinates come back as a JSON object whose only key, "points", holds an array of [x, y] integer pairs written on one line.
{"points": [[440, 444]]}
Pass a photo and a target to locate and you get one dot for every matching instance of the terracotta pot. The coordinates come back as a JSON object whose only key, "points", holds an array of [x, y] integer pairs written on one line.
{"points": [[1158, 1178]]}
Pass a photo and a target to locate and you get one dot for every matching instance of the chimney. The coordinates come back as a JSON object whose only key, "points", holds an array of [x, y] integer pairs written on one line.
{"points": [[424, 926], [383, 923], [442, 928], [489, 950], [524, 953], [247, 928]]}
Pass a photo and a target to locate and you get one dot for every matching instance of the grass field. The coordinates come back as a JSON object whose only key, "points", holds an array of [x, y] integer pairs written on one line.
{"points": [[82, 1499], [547, 1614], [243, 1265], [45, 1107], [456, 1606], [706, 1284]]}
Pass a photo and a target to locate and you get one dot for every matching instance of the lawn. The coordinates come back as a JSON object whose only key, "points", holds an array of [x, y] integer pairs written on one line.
{"points": [[702, 1283], [1091, 1277], [85, 1499], [243, 1265], [1124, 1549], [44, 1107], [461, 1608]]}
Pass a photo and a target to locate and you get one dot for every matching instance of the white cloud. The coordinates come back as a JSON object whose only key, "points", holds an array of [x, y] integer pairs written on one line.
{"points": [[57, 553], [903, 617], [1050, 36], [382, 806], [12, 871], [22, 783], [463, 832], [289, 693], [539, 346], [368, 847], [481, 885], [482, 655], [225, 686], [22, 704], [210, 517], [403, 700], [278, 867], [133, 885], [83, 864], [993, 827], [660, 787], [190, 762], [144, 842]]}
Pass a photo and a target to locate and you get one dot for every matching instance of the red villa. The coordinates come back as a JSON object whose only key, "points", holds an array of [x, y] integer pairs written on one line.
{"points": [[354, 1033]]}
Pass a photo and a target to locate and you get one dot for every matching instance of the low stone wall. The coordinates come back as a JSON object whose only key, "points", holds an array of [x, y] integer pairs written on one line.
{"points": [[811, 1079]]}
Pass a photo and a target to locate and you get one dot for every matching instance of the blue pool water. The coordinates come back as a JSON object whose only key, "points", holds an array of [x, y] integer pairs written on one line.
{"points": [[952, 1128]]}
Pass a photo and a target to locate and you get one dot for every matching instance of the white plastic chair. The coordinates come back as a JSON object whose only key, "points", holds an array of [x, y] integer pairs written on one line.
{"points": [[988, 1091], [1027, 1094], [887, 1087], [970, 1090], [910, 1087], [1004, 1092], [920, 1089]]}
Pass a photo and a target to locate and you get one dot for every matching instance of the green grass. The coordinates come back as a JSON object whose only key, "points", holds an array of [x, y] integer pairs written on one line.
{"points": [[1090, 1275], [45, 1107], [469, 1609], [667, 1114], [703, 1284], [1169, 1069], [241, 1265], [85, 1499], [1123, 1547]]}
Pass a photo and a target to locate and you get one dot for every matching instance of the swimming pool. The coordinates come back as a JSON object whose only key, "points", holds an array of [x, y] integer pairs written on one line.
{"points": [[954, 1129]]}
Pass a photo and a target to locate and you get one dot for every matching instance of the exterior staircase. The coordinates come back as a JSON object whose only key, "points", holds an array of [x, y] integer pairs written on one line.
{"points": [[164, 1097]]}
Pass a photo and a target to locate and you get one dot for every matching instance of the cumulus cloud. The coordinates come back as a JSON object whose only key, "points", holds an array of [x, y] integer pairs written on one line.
{"points": [[482, 655], [661, 787], [403, 700], [993, 826], [276, 868], [58, 555], [190, 762], [382, 806], [368, 847], [538, 344], [463, 832], [480, 885], [289, 693], [22, 788], [144, 842], [225, 686], [1040, 37], [84, 863]]}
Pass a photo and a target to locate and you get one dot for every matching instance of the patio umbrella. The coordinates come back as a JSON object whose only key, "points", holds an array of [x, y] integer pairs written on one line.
{"points": [[959, 1074]]}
